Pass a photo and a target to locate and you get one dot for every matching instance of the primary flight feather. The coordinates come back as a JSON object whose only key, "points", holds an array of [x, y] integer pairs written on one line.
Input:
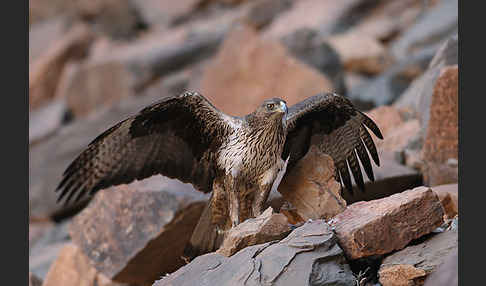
{"points": [[237, 158]]}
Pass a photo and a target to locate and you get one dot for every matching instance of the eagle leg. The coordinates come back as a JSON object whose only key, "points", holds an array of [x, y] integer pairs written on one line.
{"points": [[233, 200], [260, 198]]}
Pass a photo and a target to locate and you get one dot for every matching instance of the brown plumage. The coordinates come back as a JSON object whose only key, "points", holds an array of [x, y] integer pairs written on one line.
{"points": [[238, 158]]}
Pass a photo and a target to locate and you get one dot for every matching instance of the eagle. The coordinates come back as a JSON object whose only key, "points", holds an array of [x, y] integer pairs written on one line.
{"points": [[237, 159]]}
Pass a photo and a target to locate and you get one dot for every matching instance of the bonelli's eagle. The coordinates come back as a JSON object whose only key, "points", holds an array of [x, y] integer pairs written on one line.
{"points": [[238, 158]]}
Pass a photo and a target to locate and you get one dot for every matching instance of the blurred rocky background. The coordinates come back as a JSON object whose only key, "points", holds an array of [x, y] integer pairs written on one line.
{"points": [[93, 63]]}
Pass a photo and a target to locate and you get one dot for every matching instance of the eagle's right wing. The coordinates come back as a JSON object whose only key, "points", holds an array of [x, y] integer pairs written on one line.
{"points": [[176, 137]]}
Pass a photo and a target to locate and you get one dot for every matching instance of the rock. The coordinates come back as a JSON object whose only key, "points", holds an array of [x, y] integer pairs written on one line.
{"points": [[43, 34], [398, 132], [269, 226], [263, 12], [429, 30], [44, 249], [418, 96], [360, 53], [47, 119], [85, 88], [43, 10], [309, 255], [447, 273], [306, 46], [134, 233], [63, 147], [248, 69], [162, 14], [448, 196], [371, 228], [44, 74], [398, 275], [37, 230], [411, 265], [34, 280], [390, 178], [442, 134], [308, 14], [388, 87], [310, 187], [72, 267], [115, 18]]}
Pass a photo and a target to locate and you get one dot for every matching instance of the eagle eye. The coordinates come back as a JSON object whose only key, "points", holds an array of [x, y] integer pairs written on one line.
{"points": [[270, 106]]}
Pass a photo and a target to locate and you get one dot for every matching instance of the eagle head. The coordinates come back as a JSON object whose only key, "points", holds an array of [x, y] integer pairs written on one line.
{"points": [[274, 107]]}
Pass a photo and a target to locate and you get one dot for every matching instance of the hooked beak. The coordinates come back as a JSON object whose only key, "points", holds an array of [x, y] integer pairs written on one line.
{"points": [[282, 107]]}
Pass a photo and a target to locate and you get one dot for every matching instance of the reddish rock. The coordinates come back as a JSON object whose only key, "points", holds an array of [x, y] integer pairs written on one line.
{"points": [[411, 265], [85, 85], [441, 139], [267, 227], [34, 280], [381, 226], [400, 138], [72, 267], [310, 187], [43, 34], [402, 275], [248, 69], [43, 10], [44, 73], [387, 118], [448, 195], [135, 233], [360, 53]]}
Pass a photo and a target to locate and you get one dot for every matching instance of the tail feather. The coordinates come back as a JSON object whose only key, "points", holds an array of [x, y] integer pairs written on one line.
{"points": [[206, 237]]}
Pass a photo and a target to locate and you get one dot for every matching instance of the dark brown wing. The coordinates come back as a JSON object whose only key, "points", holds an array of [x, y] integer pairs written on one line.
{"points": [[332, 123], [175, 137]]}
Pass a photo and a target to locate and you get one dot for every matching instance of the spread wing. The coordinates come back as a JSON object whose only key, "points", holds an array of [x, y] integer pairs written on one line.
{"points": [[175, 137], [332, 123]]}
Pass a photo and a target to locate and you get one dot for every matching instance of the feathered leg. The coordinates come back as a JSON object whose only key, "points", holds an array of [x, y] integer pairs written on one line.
{"points": [[210, 230]]}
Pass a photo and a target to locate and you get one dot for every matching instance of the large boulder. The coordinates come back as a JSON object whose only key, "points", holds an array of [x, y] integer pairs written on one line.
{"points": [[311, 188], [440, 152], [381, 226], [45, 72], [135, 233], [248, 69], [309, 255]]}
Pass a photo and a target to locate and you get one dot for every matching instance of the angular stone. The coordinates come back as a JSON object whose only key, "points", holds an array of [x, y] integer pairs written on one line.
{"points": [[44, 249], [447, 274], [72, 267], [43, 34], [269, 226], [413, 263], [448, 196], [85, 86], [360, 53], [431, 29], [309, 255], [248, 70], [34, 280], [442, 135], [308, 14], [135, 233], [115, 18], [44, 73], [382, 226], [402, 275], [305, 45], [46, 120], [310, 187]]}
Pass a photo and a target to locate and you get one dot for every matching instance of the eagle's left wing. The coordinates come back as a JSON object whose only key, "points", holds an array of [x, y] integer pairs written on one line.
{"points": [[338, 129]]}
